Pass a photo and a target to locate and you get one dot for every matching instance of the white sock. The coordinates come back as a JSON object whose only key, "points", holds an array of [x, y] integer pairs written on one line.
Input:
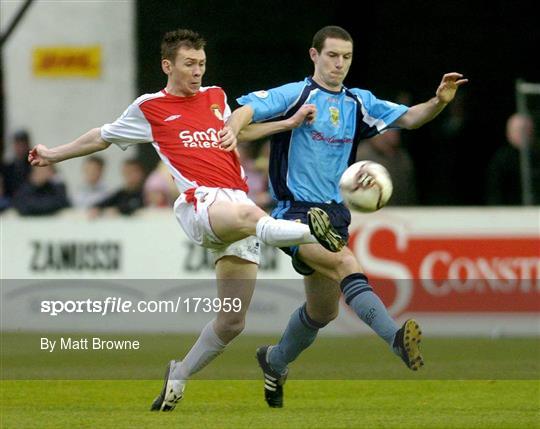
{"points": [[207, 347], [283, 233]]}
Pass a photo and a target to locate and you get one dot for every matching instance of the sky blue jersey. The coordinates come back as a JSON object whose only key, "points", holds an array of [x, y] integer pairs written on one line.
{"points": [[306, 163]]}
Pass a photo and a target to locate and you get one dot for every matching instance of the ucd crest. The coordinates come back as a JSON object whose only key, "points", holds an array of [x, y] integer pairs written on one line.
{"points": [[334, 116]]}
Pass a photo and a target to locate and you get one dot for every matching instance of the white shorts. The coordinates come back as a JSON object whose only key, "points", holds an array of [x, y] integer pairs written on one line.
{"points": [[193, 218]]}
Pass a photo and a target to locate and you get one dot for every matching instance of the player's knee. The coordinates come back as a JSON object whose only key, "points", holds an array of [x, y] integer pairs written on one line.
{"points": [[347, 264], [249, 215]]}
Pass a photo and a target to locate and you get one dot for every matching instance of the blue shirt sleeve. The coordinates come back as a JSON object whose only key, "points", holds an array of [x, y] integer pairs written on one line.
{"points": [[272, 103], [379, 113]]}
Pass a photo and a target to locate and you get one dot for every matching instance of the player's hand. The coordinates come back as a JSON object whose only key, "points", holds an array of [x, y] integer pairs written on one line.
{"points": [[449, 86], [40, 156], [307, 113], [227, 139]]}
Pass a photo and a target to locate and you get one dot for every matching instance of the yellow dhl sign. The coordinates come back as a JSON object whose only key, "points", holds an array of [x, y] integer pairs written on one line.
{"points": [[67, 61]]}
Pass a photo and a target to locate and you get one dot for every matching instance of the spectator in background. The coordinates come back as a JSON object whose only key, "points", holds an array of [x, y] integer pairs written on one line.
{"points": [[255, 158], [129, 198], [159, 188], [446, 150], [504, 171], [386, 149], [42, 194], [17, 171], [5, 202], [93, 189]]}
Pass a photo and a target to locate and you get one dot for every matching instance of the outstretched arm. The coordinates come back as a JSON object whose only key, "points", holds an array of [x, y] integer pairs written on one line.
{"points": [[422, 113], [86, 144], [306, 113]]}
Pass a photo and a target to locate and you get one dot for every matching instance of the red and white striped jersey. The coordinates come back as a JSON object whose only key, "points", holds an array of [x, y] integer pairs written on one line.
{"points": [[183, 131]]}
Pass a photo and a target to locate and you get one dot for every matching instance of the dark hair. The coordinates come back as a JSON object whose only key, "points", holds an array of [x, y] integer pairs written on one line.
{"points": [[173, 40], [329, 32], [96, 159], [22, 136]]}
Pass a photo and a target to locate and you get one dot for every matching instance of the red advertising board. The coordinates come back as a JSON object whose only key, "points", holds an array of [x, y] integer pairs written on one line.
{"points": [[416, 267]]}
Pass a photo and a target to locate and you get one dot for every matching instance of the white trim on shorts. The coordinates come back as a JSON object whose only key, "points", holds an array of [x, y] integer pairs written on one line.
{"points": [[197, 225]]}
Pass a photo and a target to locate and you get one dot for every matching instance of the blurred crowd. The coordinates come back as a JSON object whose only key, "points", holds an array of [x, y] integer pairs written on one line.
{"points": [[38, 191]]}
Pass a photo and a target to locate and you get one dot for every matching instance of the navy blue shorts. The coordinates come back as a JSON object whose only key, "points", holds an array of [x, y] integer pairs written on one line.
{"points": [[340, 216]]}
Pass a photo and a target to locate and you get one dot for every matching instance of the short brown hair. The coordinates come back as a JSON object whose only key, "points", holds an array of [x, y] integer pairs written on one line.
{"points": [[174, 40], [330, 32]]}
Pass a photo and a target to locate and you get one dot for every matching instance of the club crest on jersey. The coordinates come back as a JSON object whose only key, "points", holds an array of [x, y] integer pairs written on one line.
{"points": [[261, 94], [216, 111], [334, 116]]}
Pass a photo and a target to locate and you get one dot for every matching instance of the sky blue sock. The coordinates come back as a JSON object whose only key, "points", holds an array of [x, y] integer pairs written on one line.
{"points": [[298, 336], [368, 306]]}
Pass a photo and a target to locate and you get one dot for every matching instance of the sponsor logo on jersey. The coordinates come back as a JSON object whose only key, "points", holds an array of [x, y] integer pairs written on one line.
{"points": [[200, 139], [216, 111], [172, 118], [334, 116], [261, 94], [320, 137]]}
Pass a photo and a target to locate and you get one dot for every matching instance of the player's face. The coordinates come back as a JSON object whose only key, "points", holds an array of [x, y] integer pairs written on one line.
{"points": [[185, 74], [332, 63]]}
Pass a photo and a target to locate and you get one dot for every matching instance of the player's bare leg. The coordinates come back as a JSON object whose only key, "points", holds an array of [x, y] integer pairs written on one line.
{"points": [[235, 280], [232, 222], [322, 298], [335, 266]]}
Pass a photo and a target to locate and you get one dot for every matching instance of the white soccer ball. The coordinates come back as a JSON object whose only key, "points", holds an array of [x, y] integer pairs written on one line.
{"points": [[366, 186]]}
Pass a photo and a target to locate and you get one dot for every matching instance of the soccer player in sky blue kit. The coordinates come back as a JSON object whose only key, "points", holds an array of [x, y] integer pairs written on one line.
{"points": [[316, 125]]}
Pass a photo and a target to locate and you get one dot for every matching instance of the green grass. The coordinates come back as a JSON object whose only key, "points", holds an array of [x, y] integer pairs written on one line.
{"points": [[338, 383], [332, 358], [238, 404]]}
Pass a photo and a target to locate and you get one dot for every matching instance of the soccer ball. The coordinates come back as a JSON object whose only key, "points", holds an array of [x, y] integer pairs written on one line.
{"points": [[366, 186]]}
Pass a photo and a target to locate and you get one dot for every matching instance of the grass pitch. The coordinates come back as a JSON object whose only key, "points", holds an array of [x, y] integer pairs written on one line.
{"points": [[338, 383]]}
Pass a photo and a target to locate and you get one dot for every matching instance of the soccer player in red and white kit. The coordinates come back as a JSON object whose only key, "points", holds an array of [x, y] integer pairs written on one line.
{"points": [[194, 133]]}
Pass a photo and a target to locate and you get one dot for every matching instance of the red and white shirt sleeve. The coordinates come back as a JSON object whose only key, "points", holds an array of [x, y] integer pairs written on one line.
{"points": [[130, 128]]}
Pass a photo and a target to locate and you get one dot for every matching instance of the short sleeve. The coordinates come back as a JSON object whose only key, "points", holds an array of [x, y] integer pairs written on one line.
{"points": [[227, 110], [130, 128], [378, 113], [272, 103]]}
